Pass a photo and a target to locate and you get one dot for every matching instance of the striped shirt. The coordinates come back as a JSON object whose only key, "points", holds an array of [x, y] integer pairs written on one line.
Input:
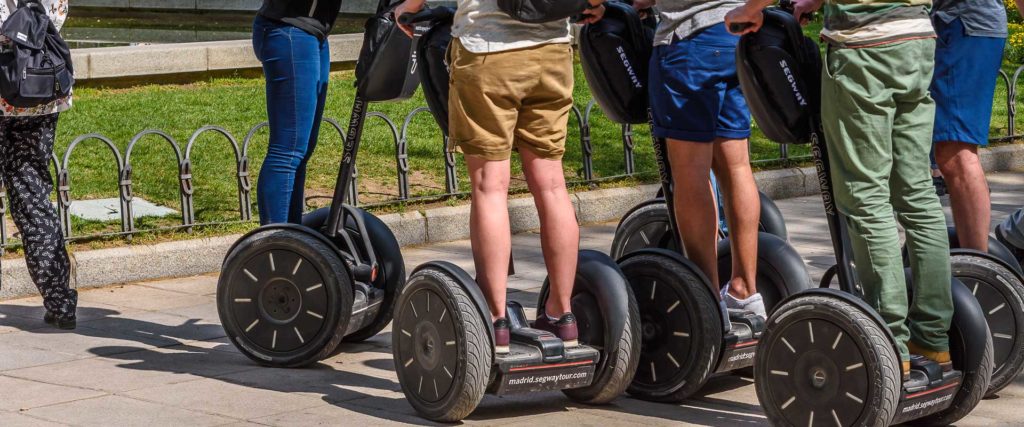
{"points": [[865, 23]]}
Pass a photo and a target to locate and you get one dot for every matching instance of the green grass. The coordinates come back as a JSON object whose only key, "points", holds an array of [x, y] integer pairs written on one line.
{"points": [[236, 104]]}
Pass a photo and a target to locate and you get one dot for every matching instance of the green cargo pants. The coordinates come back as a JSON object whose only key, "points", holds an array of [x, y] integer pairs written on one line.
{"points": [[878, 118]]}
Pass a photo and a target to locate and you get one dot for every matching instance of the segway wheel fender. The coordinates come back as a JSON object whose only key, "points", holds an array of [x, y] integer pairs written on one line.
{"points": [[442, 348], [284, 296], [391, 265], [613, 326], [780, 269]]}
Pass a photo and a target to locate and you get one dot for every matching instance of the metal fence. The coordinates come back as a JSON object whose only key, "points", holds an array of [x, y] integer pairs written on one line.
{"points": [[398, 132]]}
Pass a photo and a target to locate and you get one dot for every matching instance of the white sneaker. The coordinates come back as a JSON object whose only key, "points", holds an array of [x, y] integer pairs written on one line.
{"points": [[753, 303]]}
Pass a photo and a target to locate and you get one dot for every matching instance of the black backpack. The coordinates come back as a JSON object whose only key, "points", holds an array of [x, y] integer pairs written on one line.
{"points": [[615, 52], [37, 67], [386, 69], [433, 69], [780, 72]]}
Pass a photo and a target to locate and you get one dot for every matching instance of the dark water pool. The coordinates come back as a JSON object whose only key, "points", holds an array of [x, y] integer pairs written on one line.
{"points": [[98, 29]]}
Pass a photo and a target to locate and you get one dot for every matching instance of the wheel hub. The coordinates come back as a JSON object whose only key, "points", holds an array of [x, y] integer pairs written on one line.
{"points": [[280, 300], [427, 345], [818, 378]]}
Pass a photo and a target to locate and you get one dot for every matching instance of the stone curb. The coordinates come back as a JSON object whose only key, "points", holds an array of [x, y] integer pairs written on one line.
{"points": [[128, 264]]}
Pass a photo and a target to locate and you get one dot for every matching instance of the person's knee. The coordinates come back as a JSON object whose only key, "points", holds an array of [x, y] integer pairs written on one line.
{"points": [[956, 159]]}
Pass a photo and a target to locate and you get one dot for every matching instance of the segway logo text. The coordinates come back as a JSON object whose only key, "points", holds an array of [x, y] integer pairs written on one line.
{"points": [[629, 68], [927, 404], [792, 83], [547, 378], [742, 356]]}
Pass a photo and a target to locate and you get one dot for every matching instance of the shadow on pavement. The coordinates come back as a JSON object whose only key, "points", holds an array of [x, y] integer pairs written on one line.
{"points": [[363, 381]]}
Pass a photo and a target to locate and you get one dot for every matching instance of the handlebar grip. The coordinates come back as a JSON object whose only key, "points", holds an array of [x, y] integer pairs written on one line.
{"points": [[432, 14], [740, 26]]}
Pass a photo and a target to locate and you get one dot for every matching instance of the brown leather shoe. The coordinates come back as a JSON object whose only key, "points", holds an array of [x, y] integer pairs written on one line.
{"points": [[564, 328], [943, 358]]}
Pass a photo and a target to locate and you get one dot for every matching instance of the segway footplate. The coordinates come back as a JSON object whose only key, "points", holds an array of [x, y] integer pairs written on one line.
{"points": [[741, 344], [523, 370]]}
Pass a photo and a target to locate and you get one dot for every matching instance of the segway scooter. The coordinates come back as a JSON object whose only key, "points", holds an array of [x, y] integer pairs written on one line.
{"points": [[443, 339], [827, 357], [685, 338], [289, 294]]}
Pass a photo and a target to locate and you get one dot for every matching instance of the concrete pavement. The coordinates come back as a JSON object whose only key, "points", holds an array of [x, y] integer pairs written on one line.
{"points": [[154, 354]]}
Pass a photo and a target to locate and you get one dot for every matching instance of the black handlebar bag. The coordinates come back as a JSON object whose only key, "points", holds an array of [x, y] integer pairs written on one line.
{"points": [[386, 69], [36, 68], [541, 11], [615, 53], [434, 73], [780, 73]]}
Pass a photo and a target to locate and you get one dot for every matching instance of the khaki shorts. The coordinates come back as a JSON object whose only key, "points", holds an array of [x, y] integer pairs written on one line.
{"points": [[519, 98]]}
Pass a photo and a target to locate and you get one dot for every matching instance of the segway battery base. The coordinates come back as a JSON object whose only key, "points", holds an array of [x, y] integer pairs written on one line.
{"points": [[538, 361]]}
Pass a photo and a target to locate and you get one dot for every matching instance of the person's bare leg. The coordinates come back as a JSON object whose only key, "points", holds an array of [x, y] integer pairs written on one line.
{"points": [[489, 229], [742, 210], [559, 231], [695, 210], [968, 192]]}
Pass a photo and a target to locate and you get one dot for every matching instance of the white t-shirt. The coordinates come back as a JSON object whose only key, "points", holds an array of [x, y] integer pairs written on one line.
{"points": [[482, 27]]}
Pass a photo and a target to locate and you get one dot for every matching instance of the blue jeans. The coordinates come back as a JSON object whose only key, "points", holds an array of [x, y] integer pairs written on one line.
{"points": [[297, 67]]}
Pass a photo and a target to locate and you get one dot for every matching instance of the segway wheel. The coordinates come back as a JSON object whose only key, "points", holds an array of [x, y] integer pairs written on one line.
{"points": [[391, 265], [999, 292], [681, 327], [647, 226], [824, 360], [608, 319], [442, 348], [284, 297]]}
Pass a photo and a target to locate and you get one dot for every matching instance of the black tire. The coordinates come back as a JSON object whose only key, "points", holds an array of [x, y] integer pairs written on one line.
{"points": [[999, 292], [780, 269], [996, 248], [620, 349], [454, 349], [681, 327], [647, 226], [307, 321], [391, 265], [859, 384]]}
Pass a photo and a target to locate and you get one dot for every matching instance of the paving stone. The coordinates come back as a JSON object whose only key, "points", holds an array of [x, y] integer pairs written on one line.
{"points": [[16, 356], [12, 419], [143, 298], [83, 341], [24, 394], [233, 400], [137, 369], [160, 326], [123, 411], [331, 414], [195, 285]]}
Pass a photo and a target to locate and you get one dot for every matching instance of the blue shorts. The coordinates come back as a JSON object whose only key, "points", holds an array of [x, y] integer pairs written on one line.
{"points": [[695, 93], [966, 70]]}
